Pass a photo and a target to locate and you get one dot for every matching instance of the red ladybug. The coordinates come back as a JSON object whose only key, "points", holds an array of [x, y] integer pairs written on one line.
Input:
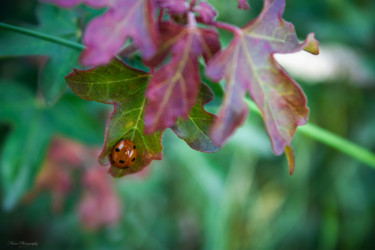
{"points": [[123, 154]]}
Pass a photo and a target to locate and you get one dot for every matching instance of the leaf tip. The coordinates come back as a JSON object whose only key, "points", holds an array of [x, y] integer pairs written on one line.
{"points": [[312, 45], [289, 152]]}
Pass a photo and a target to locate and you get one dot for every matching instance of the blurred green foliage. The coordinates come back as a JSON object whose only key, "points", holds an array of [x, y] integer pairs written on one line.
{"points": [[241, 197]]}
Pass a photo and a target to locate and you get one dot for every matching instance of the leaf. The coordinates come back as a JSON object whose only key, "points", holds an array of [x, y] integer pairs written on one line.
{"points": [[60, 59], [196, 129], [33, 125], [174, 88], [124, 87], [106, 34], [248, 65]]}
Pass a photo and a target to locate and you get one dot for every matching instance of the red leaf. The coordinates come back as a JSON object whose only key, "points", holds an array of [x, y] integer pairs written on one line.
{"points": [[248, 65], [106, 34], [174, 88]]}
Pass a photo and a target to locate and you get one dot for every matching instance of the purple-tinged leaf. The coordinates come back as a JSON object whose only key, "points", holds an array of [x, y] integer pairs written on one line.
{"points": [[174, 88], [248, 65], [106, 34], [206, 12], [174, 7], [242, 4], [196, 129], [123, 87]]}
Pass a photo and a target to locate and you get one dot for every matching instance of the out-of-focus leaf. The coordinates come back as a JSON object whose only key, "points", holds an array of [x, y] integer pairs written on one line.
{"points": [[124, 88], [174, 88], [100, 205], [32, 127], [60, 59], [248, 65], [195, 130]]}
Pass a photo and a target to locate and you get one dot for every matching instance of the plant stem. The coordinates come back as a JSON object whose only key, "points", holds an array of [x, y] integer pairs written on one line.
{"points": [[313, 131], [330, 139], [43, 36]]}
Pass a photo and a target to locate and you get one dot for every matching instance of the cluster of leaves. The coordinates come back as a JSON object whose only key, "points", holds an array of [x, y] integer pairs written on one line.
{"points": [[172, 35], [172, 95]]}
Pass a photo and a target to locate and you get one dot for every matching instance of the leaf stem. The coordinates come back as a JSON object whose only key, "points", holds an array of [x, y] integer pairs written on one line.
{"points": [[43, 36], [319, 134], [313, 131]]}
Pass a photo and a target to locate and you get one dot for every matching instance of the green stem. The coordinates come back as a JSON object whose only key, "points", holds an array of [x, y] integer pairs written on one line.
{"points": [[313, 131], [330, 139], [43, 36]]}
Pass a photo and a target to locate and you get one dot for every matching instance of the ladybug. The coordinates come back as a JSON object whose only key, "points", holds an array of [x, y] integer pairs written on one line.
{"points": [[123, 154]]}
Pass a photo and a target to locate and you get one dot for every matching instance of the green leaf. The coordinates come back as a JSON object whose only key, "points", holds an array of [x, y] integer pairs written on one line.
{"points": [[61, 59], [123, 87], [196, 129]]}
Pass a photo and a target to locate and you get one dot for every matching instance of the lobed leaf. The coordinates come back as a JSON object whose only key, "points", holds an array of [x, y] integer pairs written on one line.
{"points": [[248, 66], [174, 88], [123, 87], [106, 34]]}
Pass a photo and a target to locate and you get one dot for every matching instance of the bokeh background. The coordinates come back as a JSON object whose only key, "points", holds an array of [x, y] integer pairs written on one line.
{"points": [[241, 197]]}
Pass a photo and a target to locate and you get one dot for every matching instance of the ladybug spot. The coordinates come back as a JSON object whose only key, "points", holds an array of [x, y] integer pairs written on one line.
{"points": [[117, 150], [121, 161], [133, 159], [134, 146]]}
